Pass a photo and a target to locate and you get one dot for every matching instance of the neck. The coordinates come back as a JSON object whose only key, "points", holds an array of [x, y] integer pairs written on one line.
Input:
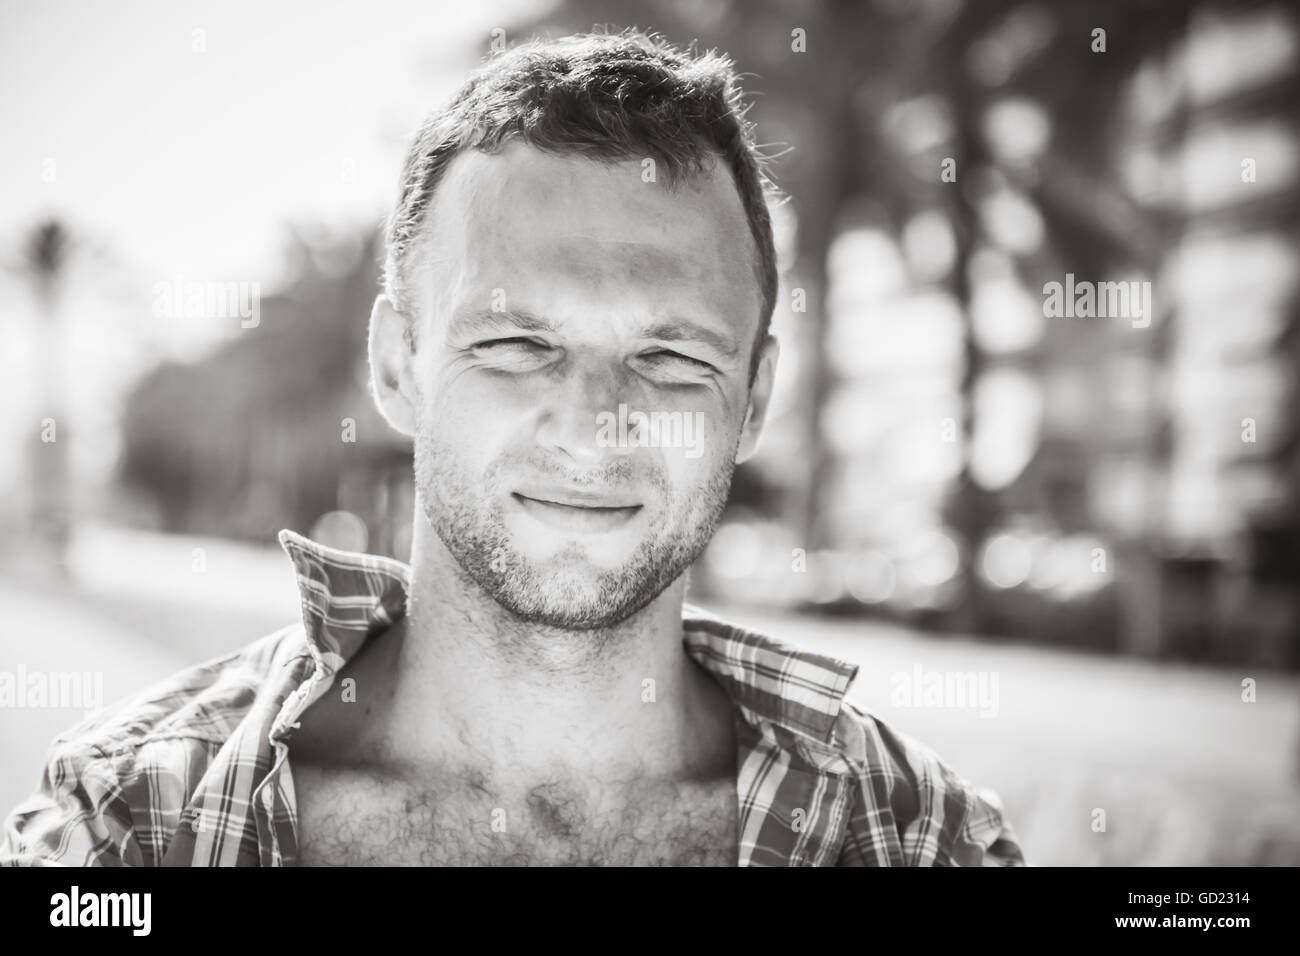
{"points": [[475, 683]]}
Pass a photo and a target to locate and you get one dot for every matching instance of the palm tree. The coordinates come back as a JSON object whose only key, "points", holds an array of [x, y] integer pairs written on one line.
{"points": [[45, 262]]}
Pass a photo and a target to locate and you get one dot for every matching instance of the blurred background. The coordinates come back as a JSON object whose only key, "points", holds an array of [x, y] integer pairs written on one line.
{"points": [[1104, 514]]}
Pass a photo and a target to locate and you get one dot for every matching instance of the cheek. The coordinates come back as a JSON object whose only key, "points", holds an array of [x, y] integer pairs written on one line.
{"points": [[469, 421], [707, 443], [463, 398]]}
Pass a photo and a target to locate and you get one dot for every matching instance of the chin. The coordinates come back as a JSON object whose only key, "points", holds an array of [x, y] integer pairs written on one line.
{"points": [[571, 592], [576, 554], [570, 601], [578, 617]]}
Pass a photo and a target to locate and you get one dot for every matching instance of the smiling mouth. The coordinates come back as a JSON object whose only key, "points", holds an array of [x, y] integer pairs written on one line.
{"points": [[576, 517]]}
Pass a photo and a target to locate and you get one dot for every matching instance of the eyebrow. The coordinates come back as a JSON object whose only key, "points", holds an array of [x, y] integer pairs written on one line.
{"points": [[525, 321], [690, 332], [518, 319]]}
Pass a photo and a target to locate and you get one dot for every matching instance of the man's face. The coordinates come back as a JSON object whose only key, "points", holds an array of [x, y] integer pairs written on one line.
{"points": [[579, 389]]}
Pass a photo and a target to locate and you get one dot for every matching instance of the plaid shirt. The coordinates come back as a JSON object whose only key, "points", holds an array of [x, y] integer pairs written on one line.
{"points": [[195, 771]]}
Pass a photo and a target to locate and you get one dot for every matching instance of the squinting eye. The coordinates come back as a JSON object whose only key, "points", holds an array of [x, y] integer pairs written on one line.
{"points": [[678, 357], [515, 342]]}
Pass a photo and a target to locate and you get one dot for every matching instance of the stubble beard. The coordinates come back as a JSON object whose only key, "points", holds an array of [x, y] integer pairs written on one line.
{"points": [[565, 592]]}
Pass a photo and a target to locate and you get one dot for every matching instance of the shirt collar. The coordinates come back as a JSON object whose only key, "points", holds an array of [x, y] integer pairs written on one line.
{"points": [[347, 597]]}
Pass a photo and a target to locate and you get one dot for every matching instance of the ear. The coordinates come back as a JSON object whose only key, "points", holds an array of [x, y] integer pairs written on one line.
{"points": [[760, 395], [392, 379]]}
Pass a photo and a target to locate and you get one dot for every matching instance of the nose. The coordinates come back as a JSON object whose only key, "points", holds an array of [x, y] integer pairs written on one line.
{"points": [[579, 419]]}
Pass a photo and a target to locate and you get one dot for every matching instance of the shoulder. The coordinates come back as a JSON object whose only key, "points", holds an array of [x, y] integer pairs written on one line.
{"points": [[938, 817], [909, 807], [115, 783], [205, 702]]}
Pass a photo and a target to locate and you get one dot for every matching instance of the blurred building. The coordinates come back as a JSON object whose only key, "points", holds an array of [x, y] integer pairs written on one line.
{"points": [[1100, 481], [1213, 156]]}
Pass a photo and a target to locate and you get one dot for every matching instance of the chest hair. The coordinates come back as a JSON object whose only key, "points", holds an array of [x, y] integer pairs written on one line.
{"points": [[355, 818]]}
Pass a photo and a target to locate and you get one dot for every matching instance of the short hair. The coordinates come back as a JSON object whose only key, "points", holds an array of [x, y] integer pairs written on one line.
{"points": [[608, 97]]}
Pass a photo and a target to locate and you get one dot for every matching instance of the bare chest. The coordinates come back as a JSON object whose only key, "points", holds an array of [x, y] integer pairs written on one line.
{"points": [[351, 818]]}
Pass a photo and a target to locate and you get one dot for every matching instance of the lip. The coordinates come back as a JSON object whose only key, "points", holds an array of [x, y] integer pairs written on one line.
{"points": [[574, 515], [575, 497]]}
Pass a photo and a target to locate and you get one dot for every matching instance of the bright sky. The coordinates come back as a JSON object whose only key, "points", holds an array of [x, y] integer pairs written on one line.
{"points": [[190, 161]]}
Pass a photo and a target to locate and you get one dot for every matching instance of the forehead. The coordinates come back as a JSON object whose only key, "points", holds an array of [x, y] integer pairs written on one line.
{"points": [[546, 224]]}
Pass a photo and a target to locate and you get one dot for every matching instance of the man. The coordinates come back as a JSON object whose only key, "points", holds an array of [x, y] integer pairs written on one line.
{"points": [[582, 232]]}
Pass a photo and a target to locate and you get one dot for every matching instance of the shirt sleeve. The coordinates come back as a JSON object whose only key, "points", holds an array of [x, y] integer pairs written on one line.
{"points": [[949, 822], [77, 817], [987, 839], [912, 809]]}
